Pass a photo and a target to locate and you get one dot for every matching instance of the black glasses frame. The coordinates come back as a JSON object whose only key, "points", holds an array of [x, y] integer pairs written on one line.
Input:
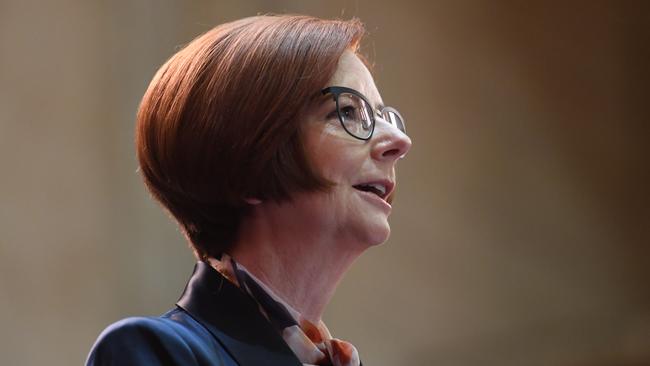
{"points": [[336, 91]]}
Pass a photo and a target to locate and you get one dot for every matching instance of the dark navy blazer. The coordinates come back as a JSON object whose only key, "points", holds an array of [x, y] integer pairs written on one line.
{"points": [[214, 323]]}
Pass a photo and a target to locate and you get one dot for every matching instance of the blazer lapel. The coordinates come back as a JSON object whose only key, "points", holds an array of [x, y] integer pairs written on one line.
{"points": [[234, 319]]}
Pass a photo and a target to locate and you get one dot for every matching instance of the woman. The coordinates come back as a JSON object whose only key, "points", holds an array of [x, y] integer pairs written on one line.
{"points": [[266, 139]]}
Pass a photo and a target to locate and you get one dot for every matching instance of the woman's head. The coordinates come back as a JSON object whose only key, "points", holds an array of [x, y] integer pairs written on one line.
{"points": [[222, 120], [355, 142]]}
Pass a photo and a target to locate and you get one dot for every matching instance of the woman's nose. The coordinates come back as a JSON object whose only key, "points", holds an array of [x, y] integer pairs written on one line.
{"points": [[389, 142]]}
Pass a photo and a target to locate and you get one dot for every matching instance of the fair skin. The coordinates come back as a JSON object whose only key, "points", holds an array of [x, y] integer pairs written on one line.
{"points": [[302, 248]]}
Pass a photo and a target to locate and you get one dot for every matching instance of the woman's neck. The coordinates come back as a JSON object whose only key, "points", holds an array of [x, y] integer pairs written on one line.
{"points": [[301, 263]]}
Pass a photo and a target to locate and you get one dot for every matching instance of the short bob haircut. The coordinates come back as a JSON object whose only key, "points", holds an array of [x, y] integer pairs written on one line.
{"points": [[221, 120]]}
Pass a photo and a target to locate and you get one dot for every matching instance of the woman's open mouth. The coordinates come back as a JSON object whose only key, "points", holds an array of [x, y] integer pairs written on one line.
{"points": [[379, 188]]}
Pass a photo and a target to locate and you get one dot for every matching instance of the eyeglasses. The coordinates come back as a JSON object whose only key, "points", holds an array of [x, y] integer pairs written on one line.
{"points": [[356, 114]]}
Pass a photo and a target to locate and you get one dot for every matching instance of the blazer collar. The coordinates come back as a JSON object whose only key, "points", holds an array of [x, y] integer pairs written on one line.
{"points": [[234, 319]]}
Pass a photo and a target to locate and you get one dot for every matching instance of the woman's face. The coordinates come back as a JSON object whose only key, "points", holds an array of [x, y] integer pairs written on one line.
{"points": [[350, 208]]}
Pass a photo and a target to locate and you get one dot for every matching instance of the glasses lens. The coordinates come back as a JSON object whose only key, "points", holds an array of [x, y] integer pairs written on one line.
{"points": [[356, 115], [394, 118]]}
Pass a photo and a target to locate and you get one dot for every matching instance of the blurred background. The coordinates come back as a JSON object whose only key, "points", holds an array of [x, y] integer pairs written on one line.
{"points": [[521, 231]]}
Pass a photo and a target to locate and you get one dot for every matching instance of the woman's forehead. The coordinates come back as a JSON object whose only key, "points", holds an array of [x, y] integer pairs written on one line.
{"points": [[352, 73]]}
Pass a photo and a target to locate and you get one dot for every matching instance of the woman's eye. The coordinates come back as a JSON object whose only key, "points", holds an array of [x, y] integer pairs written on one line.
{"points": [[348, 112]]}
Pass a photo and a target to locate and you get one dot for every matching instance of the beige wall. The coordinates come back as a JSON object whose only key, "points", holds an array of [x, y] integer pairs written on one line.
{"points": [[521, 229]]}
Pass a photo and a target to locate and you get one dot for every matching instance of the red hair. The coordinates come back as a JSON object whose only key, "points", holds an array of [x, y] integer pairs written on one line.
{"points": [[221, 120]]}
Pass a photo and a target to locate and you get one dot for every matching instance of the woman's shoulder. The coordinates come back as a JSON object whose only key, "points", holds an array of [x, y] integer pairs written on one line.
{"points": [[174, 338], [172, 326]]}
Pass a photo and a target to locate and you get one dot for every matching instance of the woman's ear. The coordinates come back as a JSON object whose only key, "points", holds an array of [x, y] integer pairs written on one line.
{"points": [[252, 201]]}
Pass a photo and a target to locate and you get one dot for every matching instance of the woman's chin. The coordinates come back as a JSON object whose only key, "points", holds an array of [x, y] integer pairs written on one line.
{"points": [[382, 237], [376, 235]]}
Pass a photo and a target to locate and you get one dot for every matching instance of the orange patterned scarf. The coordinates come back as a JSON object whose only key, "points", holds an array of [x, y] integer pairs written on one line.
{"points": [[312, 343]]}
